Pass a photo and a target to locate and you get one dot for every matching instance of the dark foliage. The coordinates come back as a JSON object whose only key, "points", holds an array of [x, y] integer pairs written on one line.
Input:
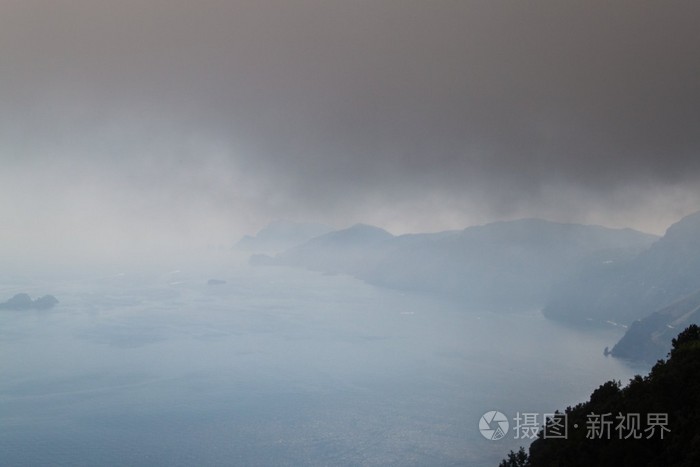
{"points": [[515, 459], [672, 387]]}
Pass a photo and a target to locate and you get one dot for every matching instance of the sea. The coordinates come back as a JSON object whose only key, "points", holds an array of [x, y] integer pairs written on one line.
{"points": [[273, 366]]}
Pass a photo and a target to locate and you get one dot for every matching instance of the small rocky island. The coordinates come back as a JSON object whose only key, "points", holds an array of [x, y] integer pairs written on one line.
{"points": [[22, 301]]}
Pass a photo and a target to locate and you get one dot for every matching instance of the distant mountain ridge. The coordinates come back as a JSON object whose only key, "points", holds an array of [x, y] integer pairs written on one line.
{"points": [[347, 251], [508, 264], [633, 286], [281, 235], [575, 273]]}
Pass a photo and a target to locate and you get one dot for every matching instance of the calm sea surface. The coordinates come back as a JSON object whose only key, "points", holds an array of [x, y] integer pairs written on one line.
{"points": [[274, 367]]}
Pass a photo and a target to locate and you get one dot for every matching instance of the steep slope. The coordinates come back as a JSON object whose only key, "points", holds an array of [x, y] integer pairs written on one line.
{"points": [[650, 338], [630, 288], [653, 421]]}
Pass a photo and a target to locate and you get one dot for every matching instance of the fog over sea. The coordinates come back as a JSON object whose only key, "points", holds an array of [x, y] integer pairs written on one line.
{"points": [[273, 367]]}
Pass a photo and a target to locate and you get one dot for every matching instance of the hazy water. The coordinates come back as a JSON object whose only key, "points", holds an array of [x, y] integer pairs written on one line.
{"points": [[275, 367]]}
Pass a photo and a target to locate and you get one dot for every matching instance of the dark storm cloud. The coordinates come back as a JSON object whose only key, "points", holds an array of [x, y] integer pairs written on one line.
{"points": [[449, 111]]}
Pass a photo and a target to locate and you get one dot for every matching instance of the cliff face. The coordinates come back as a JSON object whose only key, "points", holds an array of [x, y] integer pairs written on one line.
{"points": [[650, 338]]}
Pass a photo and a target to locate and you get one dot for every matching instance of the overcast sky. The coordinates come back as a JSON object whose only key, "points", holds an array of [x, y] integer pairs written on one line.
{"points": [[132, 123]]}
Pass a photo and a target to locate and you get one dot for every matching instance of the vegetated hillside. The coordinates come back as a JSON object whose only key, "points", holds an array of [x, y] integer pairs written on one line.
{"points": [[500, 265], [650, 338], [666, 403], [625, 288]]}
